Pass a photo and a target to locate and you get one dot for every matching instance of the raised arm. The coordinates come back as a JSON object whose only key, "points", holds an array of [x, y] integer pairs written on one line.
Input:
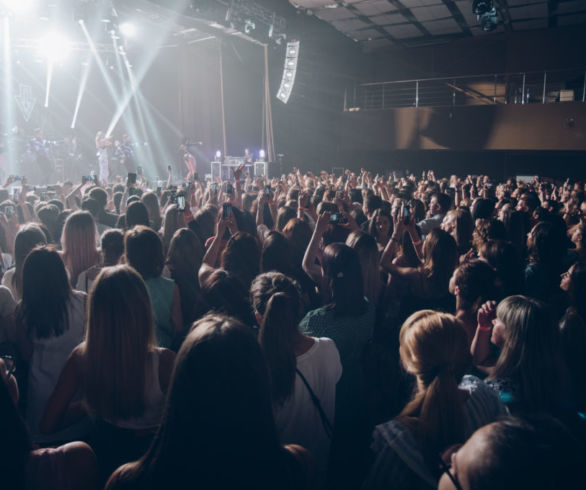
{"points": [[480, 348], [309, 266]]}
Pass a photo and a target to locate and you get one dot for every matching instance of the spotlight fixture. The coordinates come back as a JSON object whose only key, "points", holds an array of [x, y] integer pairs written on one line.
{"points": [[486, 13], [262, 155], [218, 154], [289, 72]]}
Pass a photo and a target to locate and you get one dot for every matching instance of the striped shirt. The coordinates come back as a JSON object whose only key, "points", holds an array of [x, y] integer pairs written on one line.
{"points": [[398, 461]]}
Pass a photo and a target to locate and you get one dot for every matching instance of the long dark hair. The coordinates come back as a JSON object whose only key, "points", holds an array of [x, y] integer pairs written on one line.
{"points": [[241, 257], [16, 442], [218, 429], [277, 298], [341, 267], [28, 237], [45, 293], [277, 254]]}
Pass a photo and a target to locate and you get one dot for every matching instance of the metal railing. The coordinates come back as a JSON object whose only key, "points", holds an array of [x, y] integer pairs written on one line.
{"points": [[503, 88]]}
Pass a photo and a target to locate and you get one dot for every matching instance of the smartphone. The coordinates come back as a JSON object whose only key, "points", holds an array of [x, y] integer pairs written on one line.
{"points": [[181, 202], [229, 188], [9, 211], [214, 187], [16, 178], [16, 195], [195, 176], [139, 170], [131, 178], [337, 219], [169, 168], [226, 210], [159, 190], [267, 190], [340, 188]]}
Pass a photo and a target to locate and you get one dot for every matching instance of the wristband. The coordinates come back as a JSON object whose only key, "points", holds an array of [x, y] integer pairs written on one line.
{"points": [[484, 329]]}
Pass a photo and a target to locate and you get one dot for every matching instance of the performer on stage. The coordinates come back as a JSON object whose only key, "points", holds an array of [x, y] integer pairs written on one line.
{"points": [[40, 153], [188, 160], [102, 146]]}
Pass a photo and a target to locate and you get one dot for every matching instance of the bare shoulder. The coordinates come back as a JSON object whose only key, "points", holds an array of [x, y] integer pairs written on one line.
{"points": [[122, 478], [81, 464]]}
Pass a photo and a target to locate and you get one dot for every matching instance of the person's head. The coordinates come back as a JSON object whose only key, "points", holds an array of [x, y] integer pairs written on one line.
{"points": [[434, 348], [225, 294], [368, 254], [482, 209], [100, 196], [143, 250], [276, 300], [528, 339], [78, 242], [185, 253], [48, 216], [528, 202], [536, 453], [381, 226], [45, 293], [546, 243], [578, 236], [241, 257], [206, 222], [277, 254], [137, 214], [174, 219], [298, 232], [474, 283], [27, 238], [285, 214], [219, 386], [458, 223], [504, 258], [488, 229], [343, 274], [119, 336], [439, 204], [371, 204], [112, 246], [151, 202], [440, 257]]}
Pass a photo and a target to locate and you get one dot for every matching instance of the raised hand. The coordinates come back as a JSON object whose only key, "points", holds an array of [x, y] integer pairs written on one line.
{"points": [[486, 314]]}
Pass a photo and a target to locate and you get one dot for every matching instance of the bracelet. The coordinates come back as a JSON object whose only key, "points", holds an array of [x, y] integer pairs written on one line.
{"points": [[483, 329]]}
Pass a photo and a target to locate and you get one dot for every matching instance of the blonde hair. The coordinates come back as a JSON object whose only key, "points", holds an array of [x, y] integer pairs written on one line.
{"points": [[434, 348], [463, 227], [119, 337], [78, 242]]}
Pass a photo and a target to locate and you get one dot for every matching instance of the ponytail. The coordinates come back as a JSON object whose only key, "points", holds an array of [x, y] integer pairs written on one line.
{"points": [[436, 415], [277, 325]]}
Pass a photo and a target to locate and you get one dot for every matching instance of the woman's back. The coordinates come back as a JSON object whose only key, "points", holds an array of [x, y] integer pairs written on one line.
{"points": [[49, 356]]}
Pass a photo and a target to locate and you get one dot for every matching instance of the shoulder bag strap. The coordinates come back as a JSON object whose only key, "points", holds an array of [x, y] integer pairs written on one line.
{"points": [[329, 430]]}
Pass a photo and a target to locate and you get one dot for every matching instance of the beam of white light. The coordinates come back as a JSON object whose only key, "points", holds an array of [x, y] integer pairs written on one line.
{"points": [[128, 30], [55, 47], [17, 7], [8, 113], [146, 63], [81, 91], [49, 80]]}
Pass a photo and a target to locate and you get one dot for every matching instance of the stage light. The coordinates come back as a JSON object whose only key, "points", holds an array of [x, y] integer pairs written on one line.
{"points": [[262, 154], [54, 47], [128, 30], [17, 6], [218, 155], [288, 79]]}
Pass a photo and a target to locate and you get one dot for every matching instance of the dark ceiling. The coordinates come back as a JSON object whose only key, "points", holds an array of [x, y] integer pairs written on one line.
{"points": [[383, 23]]}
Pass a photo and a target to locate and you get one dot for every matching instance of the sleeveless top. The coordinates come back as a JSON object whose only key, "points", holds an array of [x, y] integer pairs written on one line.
{"points": [[154, 399], [161, 292]]}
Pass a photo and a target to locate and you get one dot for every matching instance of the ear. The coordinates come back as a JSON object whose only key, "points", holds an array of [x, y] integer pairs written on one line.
{"points": [[258, 317], [456, 290]]}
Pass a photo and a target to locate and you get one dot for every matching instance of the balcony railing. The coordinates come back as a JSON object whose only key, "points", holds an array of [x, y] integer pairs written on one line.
{"points": [[503, 88]]}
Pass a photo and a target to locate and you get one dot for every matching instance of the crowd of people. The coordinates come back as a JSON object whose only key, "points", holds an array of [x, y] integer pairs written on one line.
{"points": [[305, 332]]}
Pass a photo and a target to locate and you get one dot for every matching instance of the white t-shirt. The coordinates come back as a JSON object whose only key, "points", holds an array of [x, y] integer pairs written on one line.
{"points": [[7, 281], [298, 420], [47, 361]]}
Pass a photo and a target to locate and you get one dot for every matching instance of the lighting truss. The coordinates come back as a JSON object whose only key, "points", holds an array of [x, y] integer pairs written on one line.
{"points": [[289, 72], [248, 16]]}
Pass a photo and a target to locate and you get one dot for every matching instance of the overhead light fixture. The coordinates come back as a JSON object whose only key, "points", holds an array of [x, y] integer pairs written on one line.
{"points": [[218, 154], [486, 13], [289, 72]]}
